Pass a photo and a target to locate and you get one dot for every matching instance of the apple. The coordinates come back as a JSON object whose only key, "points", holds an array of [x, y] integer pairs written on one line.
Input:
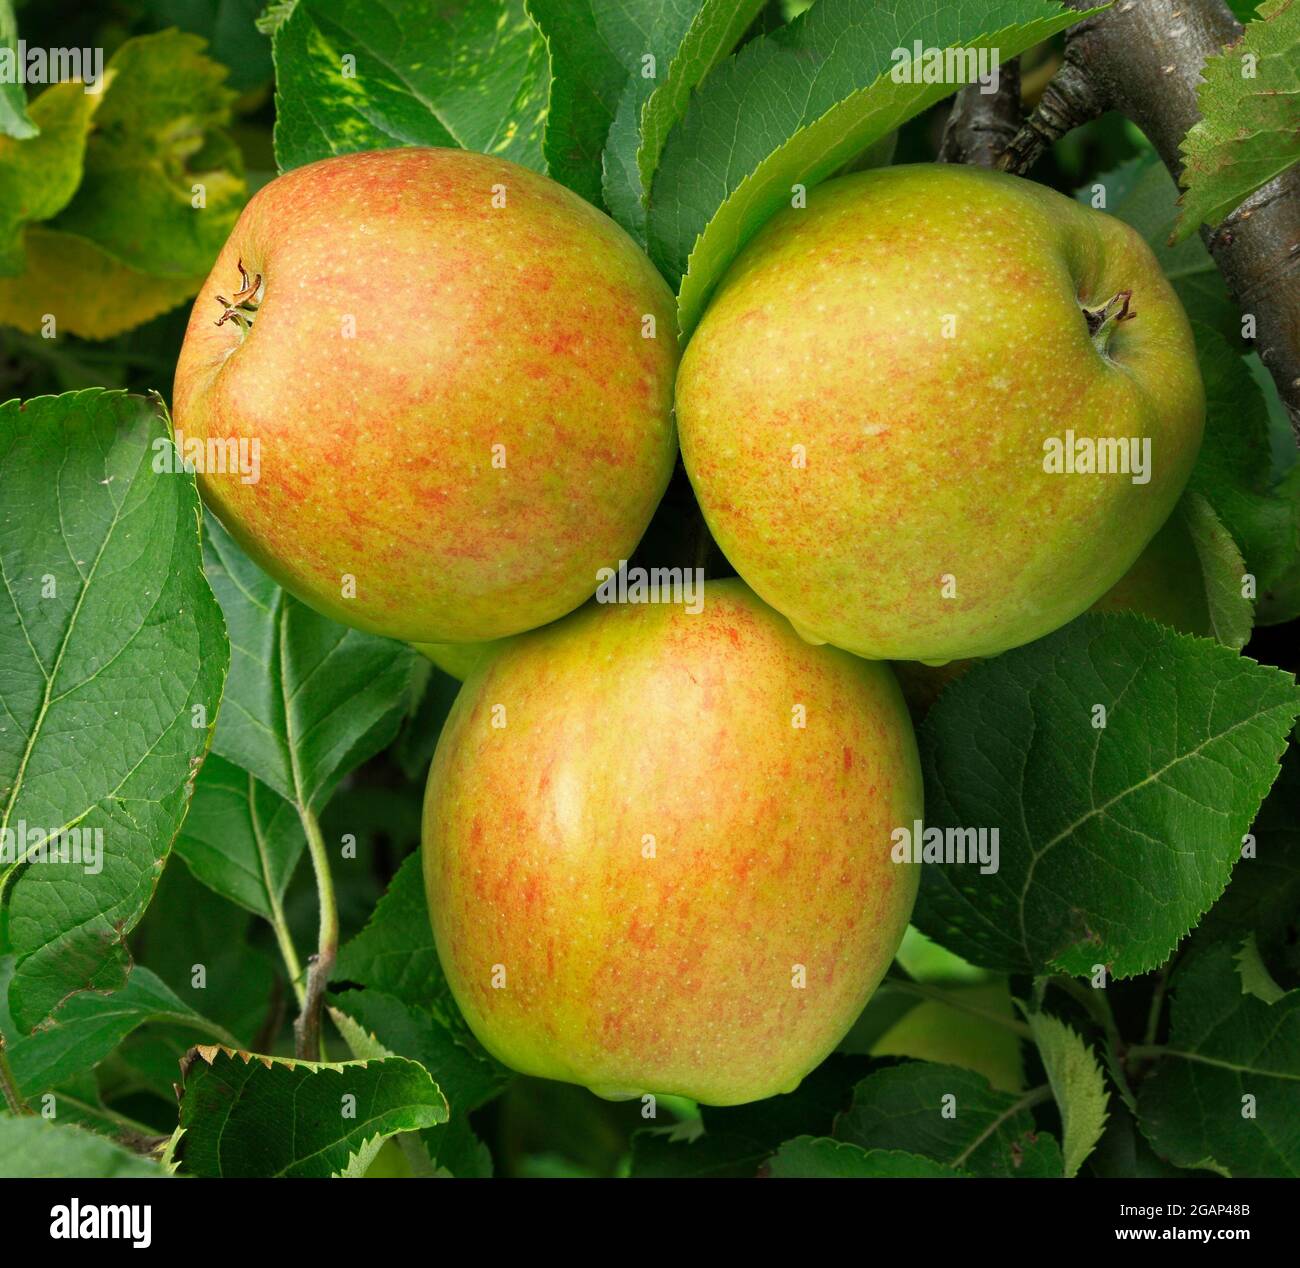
{"points": [[1165, 584], [458, 378], [657, 848], [871, 410], [457, 660]]}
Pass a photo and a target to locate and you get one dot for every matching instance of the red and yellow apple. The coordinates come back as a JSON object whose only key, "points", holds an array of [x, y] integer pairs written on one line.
{"points": [[657, 848], [458, 376], [871, 407]]}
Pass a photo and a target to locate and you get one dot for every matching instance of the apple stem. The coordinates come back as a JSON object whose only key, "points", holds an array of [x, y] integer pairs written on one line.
{"points": [[1104, 321], [245, 303]]}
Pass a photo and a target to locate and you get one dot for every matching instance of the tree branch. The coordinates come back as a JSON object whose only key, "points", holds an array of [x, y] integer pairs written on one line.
{"points": [[981, 124], [1144, 59]]}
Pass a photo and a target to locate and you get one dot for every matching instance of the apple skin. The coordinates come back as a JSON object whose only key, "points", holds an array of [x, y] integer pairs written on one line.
{"points": [[475, 326], [671, 974], [1165, 584], [924, 454], [457, 660]]}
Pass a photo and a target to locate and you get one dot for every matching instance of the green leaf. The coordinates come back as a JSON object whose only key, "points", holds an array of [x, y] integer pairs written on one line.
{"points": [[90, 1025], [39, 176], [230, 27], [818, 1158], [1077, 1084], [158, 137], [1114, 839], [591, 48], [415, 743], [308, 699], [240, 838], [795, 106], [686, 39], [951, 1116], [1262, 900], [1227, 1089], [14, 119], [1123, 1153], [114, 655], [248, 1115], [1249, 97], [35, 1147], [733, 1142], [200, 945], [378, 1025], [1231, 612], [374, 74], [1233, 471], [394, 953]]}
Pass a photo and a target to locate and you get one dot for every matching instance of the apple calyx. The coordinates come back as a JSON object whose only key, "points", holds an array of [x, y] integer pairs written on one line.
{"points": [[243, 306], [1105, 320]]}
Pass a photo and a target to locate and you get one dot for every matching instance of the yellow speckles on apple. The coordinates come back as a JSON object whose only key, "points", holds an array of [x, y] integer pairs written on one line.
{"points": [[671, 977]]}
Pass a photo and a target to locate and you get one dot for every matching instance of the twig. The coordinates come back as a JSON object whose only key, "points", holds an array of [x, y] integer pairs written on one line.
{"points": [[982, 124], [1068, 101], [307, 1029]]}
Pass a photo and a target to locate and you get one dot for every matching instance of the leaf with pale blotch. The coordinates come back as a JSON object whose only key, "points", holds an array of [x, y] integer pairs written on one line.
{"points": [[795, 106], [114, 654], [1114, 839], [249, 1115], [1077, 1084], [1249, 132], [373, 74], [1226, 1092]]}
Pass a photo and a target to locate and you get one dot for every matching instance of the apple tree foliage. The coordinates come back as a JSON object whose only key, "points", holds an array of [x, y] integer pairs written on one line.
{"points": [[1121, 998]]}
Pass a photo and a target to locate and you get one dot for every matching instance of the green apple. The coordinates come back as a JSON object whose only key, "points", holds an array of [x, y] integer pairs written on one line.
{"points": [[1165, 584], [657, 848], [887, 409], [458, 376]]}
